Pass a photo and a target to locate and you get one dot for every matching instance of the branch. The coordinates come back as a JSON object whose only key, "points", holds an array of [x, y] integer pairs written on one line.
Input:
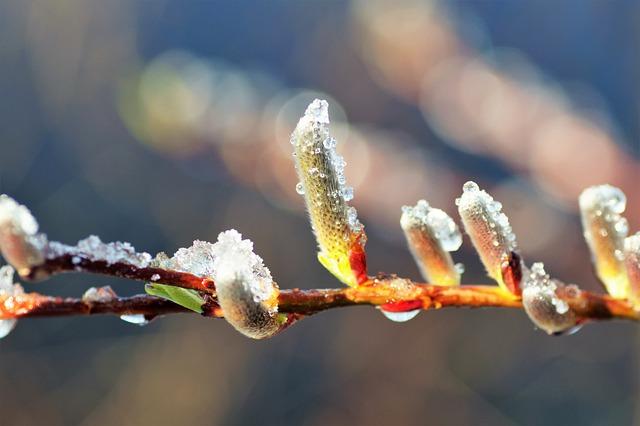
{"points": [[388, 292]]}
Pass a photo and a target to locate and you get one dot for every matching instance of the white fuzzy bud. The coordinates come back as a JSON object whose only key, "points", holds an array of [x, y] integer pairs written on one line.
{"points": [[246, 292], [605, 230], [20, 244], [632, 263], [431, 234], [543, 306], [489, 230]]}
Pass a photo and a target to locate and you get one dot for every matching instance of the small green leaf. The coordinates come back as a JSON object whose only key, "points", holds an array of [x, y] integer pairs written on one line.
{"points": [[187, 298]]}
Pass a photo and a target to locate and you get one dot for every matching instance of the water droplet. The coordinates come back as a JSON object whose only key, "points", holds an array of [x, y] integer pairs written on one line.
{"points": [[6, 326], [329, 143], [300, 188], [622, 226], [400, 316], [459, 268], [137, 319]]}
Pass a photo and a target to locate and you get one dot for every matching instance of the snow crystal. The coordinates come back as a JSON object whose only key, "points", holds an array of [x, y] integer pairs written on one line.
{"points": [[197, 259]]}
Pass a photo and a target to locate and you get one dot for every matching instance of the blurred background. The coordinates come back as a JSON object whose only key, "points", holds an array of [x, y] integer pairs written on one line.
{"points": [[163, 122]]}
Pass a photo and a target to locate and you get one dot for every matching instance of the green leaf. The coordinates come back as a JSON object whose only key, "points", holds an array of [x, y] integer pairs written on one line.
{"points": [[187, 298]]}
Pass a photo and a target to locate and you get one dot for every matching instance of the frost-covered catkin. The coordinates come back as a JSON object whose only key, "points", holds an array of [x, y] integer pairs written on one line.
{"points": [[8, 290], [19, 243], [489, 230], [605, 230], [431, 234], [543, 306], [632, 263], [322, 183], [246, 292]]}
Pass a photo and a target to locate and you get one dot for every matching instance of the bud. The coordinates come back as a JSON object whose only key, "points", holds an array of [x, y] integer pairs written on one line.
{"points": [[8, 291], [339, 234], [431, 234], [246, 292], [605, 231], [490, 234], [542, 304], [19, 243], [632, 263]]}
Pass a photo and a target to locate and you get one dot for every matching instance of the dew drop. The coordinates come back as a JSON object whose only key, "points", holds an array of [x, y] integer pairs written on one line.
{"points": [[400, 316], [6, 326], [300, 188]]}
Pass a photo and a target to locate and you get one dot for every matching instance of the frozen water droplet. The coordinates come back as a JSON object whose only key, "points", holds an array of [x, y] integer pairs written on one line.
{"points": [[622, 226], [155, 277], [470, 186], [137, 319], [300, 188], [347, 193], [400, 316], [329, 143], [459, 268]]}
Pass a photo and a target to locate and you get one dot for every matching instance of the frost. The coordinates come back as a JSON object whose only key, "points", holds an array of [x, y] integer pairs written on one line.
{"points": [[155, 277], [93, 249], [101, 294], [137, 319], [488, 227], [605, 230], [431, 234], [20, 244], [8, 290], [323, 185], [542, 304], [197, 259]]}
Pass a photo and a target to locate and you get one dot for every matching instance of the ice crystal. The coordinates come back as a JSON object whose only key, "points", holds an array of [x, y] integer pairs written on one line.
{"points": [[431, 234], [197, 259], [8, 290], [605, 230], [542, 304], [93, 249], [488, 228], [19, 242], [323, 185]]}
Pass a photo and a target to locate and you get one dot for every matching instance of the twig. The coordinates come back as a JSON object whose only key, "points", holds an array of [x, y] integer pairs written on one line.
{"points": [[386, 291]]}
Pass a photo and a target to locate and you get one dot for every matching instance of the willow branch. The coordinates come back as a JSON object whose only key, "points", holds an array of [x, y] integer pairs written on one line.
{"points": [[389, 292]]}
